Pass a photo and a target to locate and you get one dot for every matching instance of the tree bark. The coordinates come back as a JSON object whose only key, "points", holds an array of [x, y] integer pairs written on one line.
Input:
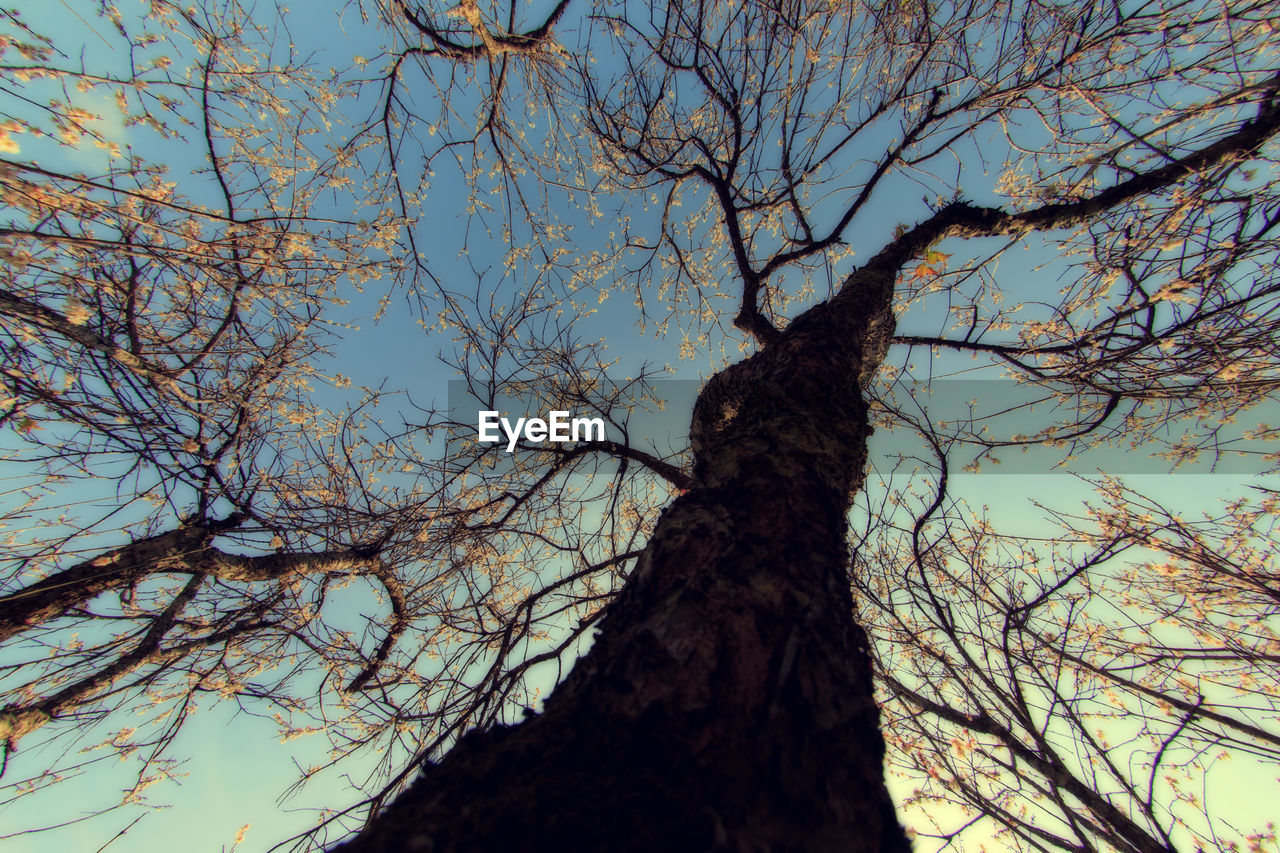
{"points": [[727, 701]]}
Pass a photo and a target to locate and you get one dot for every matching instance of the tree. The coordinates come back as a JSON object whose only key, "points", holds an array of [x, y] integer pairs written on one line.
{"points": [[168, 343], [728, 689], [1077, 702], [740, 113]]}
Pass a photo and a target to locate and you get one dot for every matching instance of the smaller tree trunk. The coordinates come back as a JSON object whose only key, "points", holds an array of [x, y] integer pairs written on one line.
{"points": [[64, 591]]}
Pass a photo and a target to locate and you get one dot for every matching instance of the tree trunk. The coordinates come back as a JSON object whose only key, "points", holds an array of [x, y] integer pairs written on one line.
{"points": [[727, 701]]}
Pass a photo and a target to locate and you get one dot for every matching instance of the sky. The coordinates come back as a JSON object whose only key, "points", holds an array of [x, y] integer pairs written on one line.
{"points": [[237, 765]]}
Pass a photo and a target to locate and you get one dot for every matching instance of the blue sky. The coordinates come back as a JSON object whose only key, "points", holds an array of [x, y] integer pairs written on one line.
{"points": [[237, 766]]}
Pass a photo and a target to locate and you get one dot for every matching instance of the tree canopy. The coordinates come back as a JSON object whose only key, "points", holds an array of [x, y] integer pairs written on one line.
{"points": [[1067, 211]]}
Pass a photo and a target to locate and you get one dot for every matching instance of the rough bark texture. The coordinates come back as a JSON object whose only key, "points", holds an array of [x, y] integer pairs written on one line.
{"points": [[727, 701]]}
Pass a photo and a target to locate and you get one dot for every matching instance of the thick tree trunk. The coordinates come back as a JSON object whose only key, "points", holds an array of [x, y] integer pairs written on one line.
{"points": [[727, 701]]}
